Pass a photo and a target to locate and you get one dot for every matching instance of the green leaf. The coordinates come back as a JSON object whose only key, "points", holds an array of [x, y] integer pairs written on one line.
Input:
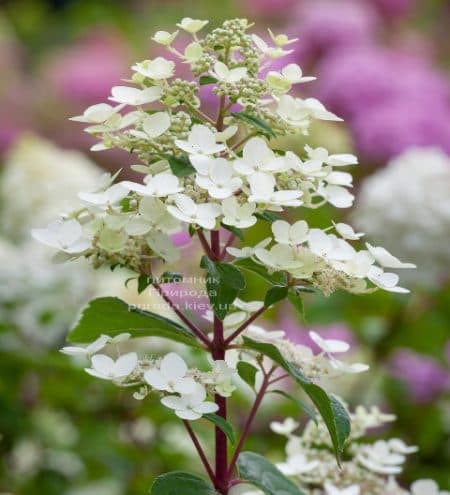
{"points": [[143, 282], [267, 216], [180, 482], [180, 166], [251, 120], [299, 403], [112, 316], [277, 278], [223, 425], [275, 294], [332, 411], [258, 471], [204, 80], [296, 300], [234, 230], [247, 372], [223, 283]]}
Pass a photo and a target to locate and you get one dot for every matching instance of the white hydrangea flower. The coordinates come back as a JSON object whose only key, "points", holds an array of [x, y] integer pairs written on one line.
{"points": [[192, 25], [201, 141], [106, 368], [171, 376], [186, 210], [151, 214], [153, 126], [190, 406], [272, 52], [216, 176], [330, 489], [386, 281], [248, 306], [380, 458], [97, 114], [89, 350], [296, 465], [297, 112], [329, 346], [193, 52], [65, 235], [258, 157], [386, 259], [281, 82], [156, 69], [162, 245], [223, 73], [236, 215], [135, 96], [262, 190], [281, 39], [159, 185], [164, 38], [105, 198], [294, 234], [223, 378], [321, 155], [347, 232], [248, 251]]}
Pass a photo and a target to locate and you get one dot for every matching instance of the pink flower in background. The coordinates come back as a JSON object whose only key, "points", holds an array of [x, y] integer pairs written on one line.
{"points": [[387, 129], [423, 376], [300, 334], [269, 8], [84, 72], [393, 9], [353, 80], [326, 25], [181, 239]]}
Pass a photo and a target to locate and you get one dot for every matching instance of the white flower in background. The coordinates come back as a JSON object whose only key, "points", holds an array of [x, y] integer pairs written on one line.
{"points": [[216, 176], [135, 96], [164, 38], [171, 376], [380, 458], [65, 235], [273, 52], [258, 157], [240, 216], [186, 210], [107, 198], [192, 25], [417, 227], [153, 126], [193, 52], [346, 231], [156, 69], [192, 406], [89, 350], [97, 114], [262, 189], [159, 185], [223, 73], [223, 378], [297, 464], [104, 367], [294, 234], [385, 258], [286, 428], [349, 490], [201, 141], [399, 446], [426, 487]]}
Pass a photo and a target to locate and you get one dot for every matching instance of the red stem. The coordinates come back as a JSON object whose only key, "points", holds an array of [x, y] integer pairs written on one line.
{"points": [[200, 451], [206, 246], [249, 421], [245, 325], [229, 242], [182, 317]]}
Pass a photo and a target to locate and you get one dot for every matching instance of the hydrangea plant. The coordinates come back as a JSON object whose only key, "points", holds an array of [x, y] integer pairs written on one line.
{"points": [[215, 177]]}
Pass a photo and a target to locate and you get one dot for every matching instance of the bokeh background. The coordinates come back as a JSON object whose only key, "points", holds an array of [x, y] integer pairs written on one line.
{"points": [[383, 65]]}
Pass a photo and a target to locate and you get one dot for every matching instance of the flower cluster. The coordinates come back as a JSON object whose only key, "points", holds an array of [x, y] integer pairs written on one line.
{"points": [[202, 173], [424, 190], [367, 468], [182, 389]]}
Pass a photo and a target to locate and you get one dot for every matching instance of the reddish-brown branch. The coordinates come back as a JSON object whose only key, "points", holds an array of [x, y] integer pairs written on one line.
{"points": [[195, 330], [206, 247], [200, 451], [244, 325]]}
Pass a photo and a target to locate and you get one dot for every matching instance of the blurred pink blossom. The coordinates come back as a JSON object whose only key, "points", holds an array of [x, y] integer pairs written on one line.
{"points": [[269, 8], [423, 376]]}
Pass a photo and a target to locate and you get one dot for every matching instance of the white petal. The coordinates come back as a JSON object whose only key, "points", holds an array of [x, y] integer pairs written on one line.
{"points": [[173, 366], [102, 364], [126, 364], [157, 124], [206, 408], [156, 379]]}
